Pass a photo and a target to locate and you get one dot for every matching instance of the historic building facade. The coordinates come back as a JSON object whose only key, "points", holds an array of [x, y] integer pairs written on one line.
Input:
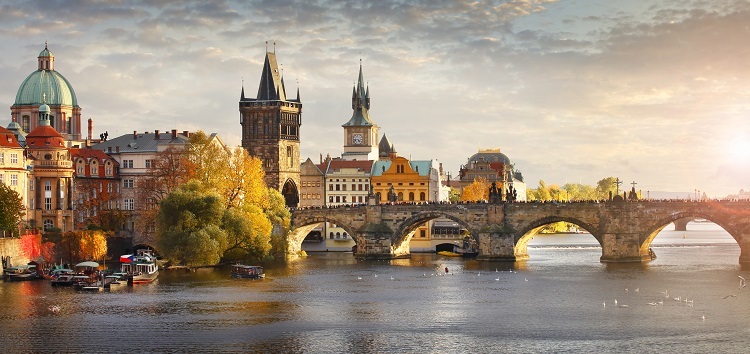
{"points": [[135, 155], [96, 189], [51, 184], [494, 166], [46, 86], [271, 130], [13, 171]]}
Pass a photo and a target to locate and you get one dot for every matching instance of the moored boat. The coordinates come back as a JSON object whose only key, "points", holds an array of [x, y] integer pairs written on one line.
{"points": [[247, 271], [449, 254], [140, 268], [62, 277], [22, 272]]}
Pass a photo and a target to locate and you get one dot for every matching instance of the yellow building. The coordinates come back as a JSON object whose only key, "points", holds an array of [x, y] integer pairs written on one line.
{"points": [[51, 185], [399, 180]]}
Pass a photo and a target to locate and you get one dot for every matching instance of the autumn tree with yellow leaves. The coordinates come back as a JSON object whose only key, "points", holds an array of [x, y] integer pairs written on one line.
{"points": [[477, 191]]}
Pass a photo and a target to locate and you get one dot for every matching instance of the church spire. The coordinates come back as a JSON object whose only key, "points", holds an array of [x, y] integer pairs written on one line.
{"points": [[271, 84], [360, 102]]}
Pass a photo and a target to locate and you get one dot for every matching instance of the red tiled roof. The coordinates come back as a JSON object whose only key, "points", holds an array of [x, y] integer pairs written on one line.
{"points": [[362, 165], [8, 139], [44, 136]]}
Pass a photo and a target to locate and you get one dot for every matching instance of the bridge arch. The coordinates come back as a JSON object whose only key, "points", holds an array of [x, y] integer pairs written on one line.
{"points": [[408, 226], [303, 226], [527, 232], [656, 227]]}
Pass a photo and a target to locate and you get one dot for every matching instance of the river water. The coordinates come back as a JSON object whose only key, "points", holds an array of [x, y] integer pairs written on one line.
{"points": [[561, 300]]}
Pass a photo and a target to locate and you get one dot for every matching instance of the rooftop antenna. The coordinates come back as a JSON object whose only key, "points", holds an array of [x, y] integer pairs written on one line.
{"points": [[274, 46]]}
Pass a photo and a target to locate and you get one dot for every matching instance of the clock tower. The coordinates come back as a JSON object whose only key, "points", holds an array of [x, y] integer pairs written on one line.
{"points": [[360, 133]]}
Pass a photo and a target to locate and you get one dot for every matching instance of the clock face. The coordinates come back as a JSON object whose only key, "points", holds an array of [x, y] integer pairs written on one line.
{"points": [[357, 139]]}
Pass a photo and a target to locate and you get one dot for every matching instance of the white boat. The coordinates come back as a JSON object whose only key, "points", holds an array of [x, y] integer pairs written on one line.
{"points": [[62, 277], [22, 272], [140, 268]]}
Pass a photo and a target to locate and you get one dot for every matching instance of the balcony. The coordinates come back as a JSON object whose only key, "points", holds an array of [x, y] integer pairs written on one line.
{"points": [[53, 163]]}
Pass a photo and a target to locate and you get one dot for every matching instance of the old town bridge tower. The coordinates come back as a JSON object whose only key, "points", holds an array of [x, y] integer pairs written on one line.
{"points": [[271, 129]]}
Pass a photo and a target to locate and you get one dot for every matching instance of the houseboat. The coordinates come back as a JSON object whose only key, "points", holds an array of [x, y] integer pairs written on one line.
{"points": [[140, 268], [247, 271]]}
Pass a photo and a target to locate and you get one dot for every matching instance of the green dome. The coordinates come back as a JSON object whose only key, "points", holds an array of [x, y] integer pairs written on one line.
{"points": [[45, 52], [57, 89]]}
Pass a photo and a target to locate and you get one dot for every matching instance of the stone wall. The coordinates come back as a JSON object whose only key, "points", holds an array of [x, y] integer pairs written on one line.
{"points": [[11, 247]]}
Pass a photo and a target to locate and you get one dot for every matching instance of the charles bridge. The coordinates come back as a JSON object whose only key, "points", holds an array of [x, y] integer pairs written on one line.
{"points": [[502, 231]]}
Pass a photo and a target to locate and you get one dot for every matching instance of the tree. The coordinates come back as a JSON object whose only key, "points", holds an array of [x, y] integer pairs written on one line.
{"points": [[542, 192], [248, 233], [478, 190], [92, 243], [280, 217], [11, 210], [605, 186], [188, 226], [169, 170]]}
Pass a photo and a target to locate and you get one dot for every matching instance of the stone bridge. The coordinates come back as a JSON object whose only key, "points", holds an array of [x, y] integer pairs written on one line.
{"points": [[623, 229]]}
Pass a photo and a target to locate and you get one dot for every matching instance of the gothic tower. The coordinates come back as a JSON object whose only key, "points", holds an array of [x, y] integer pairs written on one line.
{"points": [[360, 133], [271, 129]]}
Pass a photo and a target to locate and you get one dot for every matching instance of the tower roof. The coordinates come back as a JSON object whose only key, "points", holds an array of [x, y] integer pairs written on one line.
{"points": [[360, 103], [271, 86]]}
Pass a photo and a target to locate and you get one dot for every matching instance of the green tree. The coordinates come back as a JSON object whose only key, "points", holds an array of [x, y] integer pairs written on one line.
{"points": [[279, 216], [605, 186], [188, 226], [248, 233], [11, 210]]}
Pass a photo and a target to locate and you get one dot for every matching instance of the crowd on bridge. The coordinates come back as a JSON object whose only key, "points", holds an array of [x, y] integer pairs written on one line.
{"points": [[595, 201]]}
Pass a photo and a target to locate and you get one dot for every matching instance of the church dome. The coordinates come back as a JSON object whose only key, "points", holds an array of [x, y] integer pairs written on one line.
{"points": [[490, 155], [46, 85]]}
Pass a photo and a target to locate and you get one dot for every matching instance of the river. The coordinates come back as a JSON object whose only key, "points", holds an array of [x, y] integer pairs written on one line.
{"points": [[560, 300]]}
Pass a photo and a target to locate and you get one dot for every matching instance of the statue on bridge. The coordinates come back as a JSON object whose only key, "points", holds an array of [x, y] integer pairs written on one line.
{"points": [[392, 197], [511, 194], [495, 196]]}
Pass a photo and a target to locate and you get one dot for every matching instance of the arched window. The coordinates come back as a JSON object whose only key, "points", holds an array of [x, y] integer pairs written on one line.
{"points": [[421, 196], [400, 196], [48, 224], [411, 196], [331, 235]]}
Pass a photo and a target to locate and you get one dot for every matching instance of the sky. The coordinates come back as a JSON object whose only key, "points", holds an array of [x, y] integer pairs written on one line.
{"points": [[655, 92]]}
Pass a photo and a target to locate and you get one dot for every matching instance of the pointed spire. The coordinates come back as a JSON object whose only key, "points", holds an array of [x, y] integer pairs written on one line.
{"points": [[360, 102], [298, 99]]}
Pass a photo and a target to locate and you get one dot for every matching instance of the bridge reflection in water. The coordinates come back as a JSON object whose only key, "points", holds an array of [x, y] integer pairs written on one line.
{"points": [[624, 230]]}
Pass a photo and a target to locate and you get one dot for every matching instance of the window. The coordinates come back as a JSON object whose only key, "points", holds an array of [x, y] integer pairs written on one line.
{"points": [[109, 187], [128, 183], [79, 170], [330, 187], [330, 199], [129, 204], [31, 203], [14, 158], [47, 185], [108, 170], [422, 233], [127, 163], [48, 224], [14, 179], [2, 158], [421, 196], [25, 123], [93, 170], [149, 163], [47, 203], [31, 185], [411, 196]]}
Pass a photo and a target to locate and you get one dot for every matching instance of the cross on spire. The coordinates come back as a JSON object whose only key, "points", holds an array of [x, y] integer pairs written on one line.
{"points": [[617, 184]]}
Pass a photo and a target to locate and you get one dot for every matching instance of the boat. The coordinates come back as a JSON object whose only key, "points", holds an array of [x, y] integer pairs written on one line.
{"points": [[247, 271], [22, 272], [115, 281], [140, 268], [449, 254], [62, 277]]}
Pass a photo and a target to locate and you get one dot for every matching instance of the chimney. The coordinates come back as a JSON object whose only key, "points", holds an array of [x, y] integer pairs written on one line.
{"points": [[156, 134], [91, 127], [135, 134], [186, 133], [174, 133]]}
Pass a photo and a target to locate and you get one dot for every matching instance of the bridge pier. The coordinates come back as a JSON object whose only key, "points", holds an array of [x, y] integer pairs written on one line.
{"points": [[745, 250], [500, 246], [375, 241], [681, 224], [623, 247]]}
